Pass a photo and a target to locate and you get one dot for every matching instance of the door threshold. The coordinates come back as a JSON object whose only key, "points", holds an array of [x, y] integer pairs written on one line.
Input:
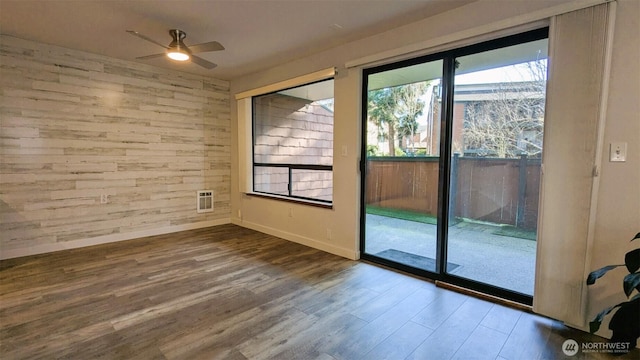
{"points": [[488, 297]]}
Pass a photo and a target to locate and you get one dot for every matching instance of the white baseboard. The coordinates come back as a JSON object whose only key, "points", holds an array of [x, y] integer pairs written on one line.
{"points": [[46, 248], [332, 249], [105, 239]]}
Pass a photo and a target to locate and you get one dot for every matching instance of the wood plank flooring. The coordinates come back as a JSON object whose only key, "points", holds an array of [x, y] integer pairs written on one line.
{"points": [[231, 293]]}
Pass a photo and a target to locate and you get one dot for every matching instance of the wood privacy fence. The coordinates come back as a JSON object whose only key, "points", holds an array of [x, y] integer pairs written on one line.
{"points": [[502, 191]]}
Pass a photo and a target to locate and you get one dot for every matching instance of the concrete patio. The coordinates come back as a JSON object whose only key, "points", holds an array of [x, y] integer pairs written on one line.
{"points": [[503, 261]]}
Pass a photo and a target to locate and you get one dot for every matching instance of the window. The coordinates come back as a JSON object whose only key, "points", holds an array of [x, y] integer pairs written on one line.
{"points": [[293, 142]]}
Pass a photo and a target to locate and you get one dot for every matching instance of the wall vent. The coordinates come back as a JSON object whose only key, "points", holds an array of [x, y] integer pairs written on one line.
{"points": [[204, 201]]}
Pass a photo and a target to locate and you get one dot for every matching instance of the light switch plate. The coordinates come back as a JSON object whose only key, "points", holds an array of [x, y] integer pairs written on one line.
{"points": [[618, 152]]}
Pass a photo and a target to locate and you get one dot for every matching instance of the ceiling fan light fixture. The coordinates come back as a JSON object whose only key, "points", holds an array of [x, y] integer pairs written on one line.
{"points": [[178, 51], [178, 55]]}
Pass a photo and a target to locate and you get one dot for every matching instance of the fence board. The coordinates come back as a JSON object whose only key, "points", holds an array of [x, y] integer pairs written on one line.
{"points": [[487, 188]]}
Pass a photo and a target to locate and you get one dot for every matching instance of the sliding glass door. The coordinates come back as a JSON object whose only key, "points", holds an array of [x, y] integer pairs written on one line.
{"points": [[451, 170], [499, 98], [402, 164]]}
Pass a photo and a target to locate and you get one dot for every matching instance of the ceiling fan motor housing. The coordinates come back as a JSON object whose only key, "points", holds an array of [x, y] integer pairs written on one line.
{"points": [[177, 44]]}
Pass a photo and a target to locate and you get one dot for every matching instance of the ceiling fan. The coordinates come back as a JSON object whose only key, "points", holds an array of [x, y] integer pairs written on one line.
{"points": [[177, 50]]}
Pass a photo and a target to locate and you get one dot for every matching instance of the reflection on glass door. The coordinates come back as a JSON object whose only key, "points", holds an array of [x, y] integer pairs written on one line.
{"points": [[402, 159], [496, 147]]}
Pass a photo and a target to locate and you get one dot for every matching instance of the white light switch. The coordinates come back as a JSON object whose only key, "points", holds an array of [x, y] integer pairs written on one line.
{"points": [[618, 152]]}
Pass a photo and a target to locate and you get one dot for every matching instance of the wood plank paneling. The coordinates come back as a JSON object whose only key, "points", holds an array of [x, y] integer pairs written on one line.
{"points": [[75, 126]]}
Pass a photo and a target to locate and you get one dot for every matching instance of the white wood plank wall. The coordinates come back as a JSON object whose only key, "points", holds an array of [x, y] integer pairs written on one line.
{"points": [[76, 126]]}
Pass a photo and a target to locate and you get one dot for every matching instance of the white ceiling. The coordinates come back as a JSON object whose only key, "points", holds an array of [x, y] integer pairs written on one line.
{"points": [[257, 34]]}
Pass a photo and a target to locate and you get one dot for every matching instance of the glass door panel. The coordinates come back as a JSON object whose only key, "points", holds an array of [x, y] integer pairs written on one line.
{"points": [[496, 147], [402, 135]]}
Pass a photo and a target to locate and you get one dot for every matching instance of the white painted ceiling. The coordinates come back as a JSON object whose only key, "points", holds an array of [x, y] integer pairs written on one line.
{"points": [[257, 34]]}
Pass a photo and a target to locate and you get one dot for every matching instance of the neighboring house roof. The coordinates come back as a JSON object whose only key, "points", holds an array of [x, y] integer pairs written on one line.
{"points": [[496, 91]]}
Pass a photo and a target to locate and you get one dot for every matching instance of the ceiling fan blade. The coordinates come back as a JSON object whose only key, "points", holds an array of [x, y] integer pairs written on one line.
{"points": [[202, 62], [204, 47], [135, 33], [151, 56]]}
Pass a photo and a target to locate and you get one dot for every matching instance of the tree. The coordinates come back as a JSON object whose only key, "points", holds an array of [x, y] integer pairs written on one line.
{"points": [[510, 121], [395, 110]]}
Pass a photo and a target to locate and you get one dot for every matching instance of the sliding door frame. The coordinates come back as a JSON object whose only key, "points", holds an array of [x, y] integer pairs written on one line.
{"points": [[444, 168]]}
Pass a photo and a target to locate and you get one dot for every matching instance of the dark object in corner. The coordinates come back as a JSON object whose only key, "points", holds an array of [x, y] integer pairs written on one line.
{"points": [[625, 322]]}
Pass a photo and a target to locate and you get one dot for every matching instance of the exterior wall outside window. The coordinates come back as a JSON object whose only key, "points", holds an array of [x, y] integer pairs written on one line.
{"points": [[292, 130]]}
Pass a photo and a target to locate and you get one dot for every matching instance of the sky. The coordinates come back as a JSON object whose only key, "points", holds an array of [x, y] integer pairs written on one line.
{"points": [[511, 73]]}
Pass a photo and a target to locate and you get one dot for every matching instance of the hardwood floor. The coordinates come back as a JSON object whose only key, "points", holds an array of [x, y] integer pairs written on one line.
{"points": [[233, 293]]}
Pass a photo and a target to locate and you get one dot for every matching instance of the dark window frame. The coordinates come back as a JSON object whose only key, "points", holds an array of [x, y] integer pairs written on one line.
{"points": [[290, 197]]}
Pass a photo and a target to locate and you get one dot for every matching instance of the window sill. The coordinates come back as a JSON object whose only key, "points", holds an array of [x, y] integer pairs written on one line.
{"points": [[291, 200]]}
